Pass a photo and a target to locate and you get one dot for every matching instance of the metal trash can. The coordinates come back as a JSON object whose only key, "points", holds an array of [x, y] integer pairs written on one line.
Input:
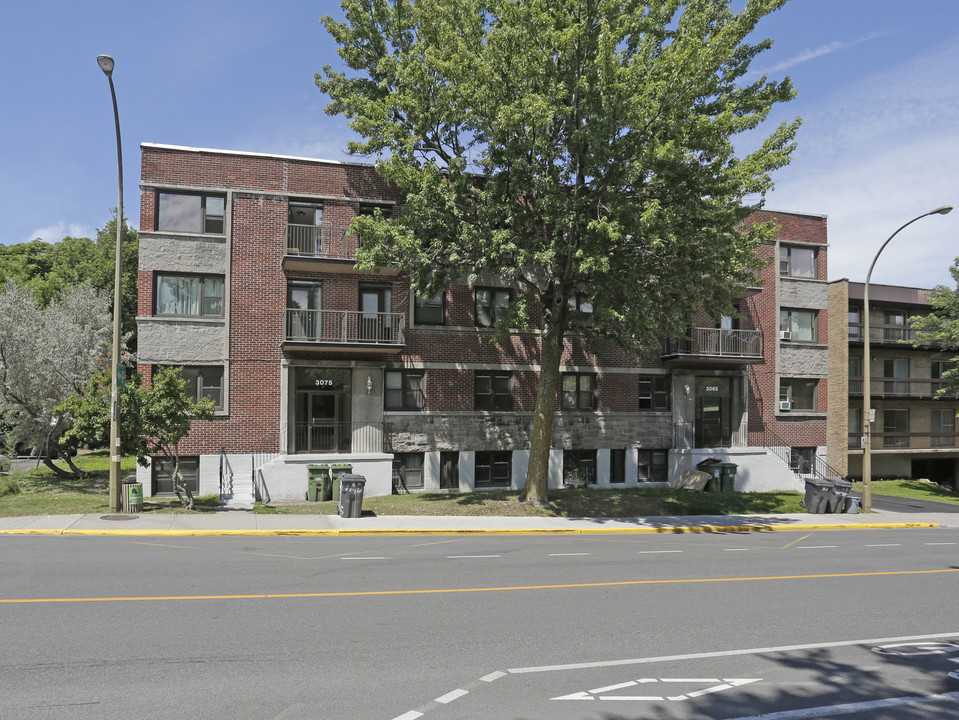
{"points": [[318, 483], [131, 496], [727, 476], [819, 495], [841, 488], [714, 469], [351, 495], [852, 504]]}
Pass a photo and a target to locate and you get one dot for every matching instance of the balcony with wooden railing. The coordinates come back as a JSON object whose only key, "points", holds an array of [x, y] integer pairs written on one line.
{"points": [[345, 330], [716, 345], [894, 387], [323, 248]]}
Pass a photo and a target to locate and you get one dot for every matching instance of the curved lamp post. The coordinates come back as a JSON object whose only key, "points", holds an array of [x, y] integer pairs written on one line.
{"points": [[866, 370], [106, 64]]}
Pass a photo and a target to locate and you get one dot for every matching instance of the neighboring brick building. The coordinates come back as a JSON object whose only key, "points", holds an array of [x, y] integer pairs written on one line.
{"points": [[913, 433], [247, 281]]}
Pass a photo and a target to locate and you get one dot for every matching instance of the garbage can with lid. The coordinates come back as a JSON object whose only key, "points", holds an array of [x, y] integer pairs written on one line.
{"points": [[841, 488], [131, 495], [727, 476], [714, 468], [318, 483], [337, 470], [819, 495], [852, 504], [351, 495]]}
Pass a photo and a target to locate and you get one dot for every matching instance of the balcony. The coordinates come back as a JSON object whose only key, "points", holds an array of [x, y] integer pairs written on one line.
{"points": [[908, 441], [888, 387], [716, 345], [322, 248], [345, 331], [331, 436], [882, 334]]}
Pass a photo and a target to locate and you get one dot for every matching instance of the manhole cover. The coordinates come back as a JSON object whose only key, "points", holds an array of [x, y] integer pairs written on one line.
{"points": [[119, 517]]}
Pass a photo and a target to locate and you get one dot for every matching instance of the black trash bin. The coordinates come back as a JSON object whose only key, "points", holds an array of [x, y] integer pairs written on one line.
{"points": [[714, 468], [351, 495], [841, 490], [819, 495]]}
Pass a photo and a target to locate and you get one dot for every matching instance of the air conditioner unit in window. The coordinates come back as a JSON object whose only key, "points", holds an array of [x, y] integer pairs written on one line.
{"points": [[785, 405], [785, 335]]}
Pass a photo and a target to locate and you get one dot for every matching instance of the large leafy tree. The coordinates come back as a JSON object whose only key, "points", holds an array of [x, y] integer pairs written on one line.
{"points": [[153, 420], [579, 149], [48, 268], [940, 328], [47, 353]]}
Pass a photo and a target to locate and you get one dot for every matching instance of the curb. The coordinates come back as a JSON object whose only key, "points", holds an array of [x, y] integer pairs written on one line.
{"points": [[356, 532]]}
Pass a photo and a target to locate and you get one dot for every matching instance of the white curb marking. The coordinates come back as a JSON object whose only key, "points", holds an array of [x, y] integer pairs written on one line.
{"points": [[451, 696], [716, 685]]}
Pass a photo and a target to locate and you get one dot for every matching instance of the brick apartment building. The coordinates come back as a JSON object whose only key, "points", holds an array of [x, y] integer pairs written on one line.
{"points": [[913, 433], [247, 282]]}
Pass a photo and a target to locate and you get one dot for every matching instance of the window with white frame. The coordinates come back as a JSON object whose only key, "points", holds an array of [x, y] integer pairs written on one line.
{"points": [[203, 381], [189, 295], [190, 212]]}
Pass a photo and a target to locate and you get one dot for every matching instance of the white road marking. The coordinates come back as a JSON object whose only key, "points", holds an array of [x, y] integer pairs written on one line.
{"points": [[716, 686], [913, 649], [658, 552], [737, 549], [726, 653], [566, 554], [815, 547], [411, 715], [942, 543], [364, 558], [886, 545], [451, 696], [849, 708], [464, 557], [493, 676]]}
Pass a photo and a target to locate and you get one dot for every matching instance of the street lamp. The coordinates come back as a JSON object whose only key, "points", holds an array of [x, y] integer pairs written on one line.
{"points": [[867, 370], [106, 64]]}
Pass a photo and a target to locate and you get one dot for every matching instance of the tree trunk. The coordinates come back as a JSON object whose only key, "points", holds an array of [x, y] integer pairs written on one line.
{"points": [[49, 461], [536, 490]]}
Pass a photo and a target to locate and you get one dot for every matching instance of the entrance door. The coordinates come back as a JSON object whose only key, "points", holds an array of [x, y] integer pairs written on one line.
{"points": [[713, 412], [317, 420], [303, 302], [375, 302]]}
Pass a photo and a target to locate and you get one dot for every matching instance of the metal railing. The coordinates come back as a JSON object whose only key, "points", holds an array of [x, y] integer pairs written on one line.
{"points": [[332, 436], [718, 342], [345, 326], [899, 387], [885, 334], [907, 441], [818, 468], [321, 241]]}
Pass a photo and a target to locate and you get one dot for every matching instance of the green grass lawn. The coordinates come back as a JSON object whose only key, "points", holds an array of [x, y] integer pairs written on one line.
{"points": [[38, 491], [911, 489]]}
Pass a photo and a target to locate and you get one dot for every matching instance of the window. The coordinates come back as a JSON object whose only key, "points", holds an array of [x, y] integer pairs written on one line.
{"points": [[651, 466], [855, 324], [654, 392], [800, 393], [304, 302], [801, 324], [579, 465], [492, 390], [190, 295], [370, 209], [493, 468], [802, 460], [204, 381], [162, 471], [617, 467], [579, 391], [938, 372], [855, 427], [942, 424], [797, 261], [430, 310], [305, 213], [449, 470], [581, 310], [191, 213], [894, 329], [855, 375], [896, 368], [895, 428], [492, 305], [410, 468], [404, 390]]}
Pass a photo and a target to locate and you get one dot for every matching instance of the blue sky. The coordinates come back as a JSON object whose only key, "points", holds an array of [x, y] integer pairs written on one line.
{"points": [[878, 85]]}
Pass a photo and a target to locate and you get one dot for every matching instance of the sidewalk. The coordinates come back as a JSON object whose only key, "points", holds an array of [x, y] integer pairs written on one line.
{"points": [[240, 522]]}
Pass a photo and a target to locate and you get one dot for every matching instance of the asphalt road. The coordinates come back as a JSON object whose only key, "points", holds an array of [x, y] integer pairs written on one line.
{"points": [[517, 627]]}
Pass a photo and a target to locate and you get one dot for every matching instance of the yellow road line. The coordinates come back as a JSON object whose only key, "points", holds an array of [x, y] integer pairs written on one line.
{"points": [[789, 545], [439, 591]]}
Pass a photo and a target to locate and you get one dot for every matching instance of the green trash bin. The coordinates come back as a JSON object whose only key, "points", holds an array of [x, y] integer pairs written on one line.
{"points": [[318, 483], [336, 470], [715, 470], [727, 476]]}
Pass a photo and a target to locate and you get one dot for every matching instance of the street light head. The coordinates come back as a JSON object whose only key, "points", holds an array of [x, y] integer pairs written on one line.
{"points": [[106, 64], [944, 210]]}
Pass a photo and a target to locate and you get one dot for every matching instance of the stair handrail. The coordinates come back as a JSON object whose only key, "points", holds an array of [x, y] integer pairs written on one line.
{"points": [[820, 469]]}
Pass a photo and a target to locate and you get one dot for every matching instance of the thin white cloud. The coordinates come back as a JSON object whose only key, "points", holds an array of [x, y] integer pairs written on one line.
{"points": [[823, 50], [56, 233]]}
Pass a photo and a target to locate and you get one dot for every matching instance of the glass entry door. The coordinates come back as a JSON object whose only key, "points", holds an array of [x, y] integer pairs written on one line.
{"points": [[713, 412], [375, 302], [322, 410]]}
